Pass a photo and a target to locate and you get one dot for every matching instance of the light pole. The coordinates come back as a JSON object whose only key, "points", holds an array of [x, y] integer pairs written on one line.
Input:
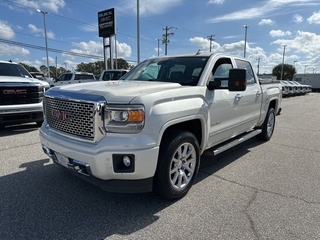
{"points": [[158, 46], [138, 31], [305, 68], [245, 40], [284, 51], [45, 37]]}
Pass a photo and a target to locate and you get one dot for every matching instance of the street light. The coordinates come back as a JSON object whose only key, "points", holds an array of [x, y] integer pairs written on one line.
{"points": [[245, 40], [284, 51], [45, 37], [305, 68]]}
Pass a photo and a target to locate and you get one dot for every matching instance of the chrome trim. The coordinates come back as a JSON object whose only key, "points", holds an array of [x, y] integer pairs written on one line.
{"points": [[98, 102]]}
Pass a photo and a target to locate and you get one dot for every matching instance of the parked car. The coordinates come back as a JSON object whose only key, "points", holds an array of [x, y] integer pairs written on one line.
{"points": [[41, 76], [75, 77], [287, 88], [305, 88], [112, 74], [296, 90]]}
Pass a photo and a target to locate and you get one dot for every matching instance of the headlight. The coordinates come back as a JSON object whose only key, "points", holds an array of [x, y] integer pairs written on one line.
{"points": [[124, 118]]}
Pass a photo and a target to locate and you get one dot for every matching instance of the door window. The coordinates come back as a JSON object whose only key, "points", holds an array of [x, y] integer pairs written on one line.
{"points": [[246, 65]]}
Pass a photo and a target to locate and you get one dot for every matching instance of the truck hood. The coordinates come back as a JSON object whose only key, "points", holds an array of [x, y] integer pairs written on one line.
{"points": [[21, 80], [121, 91]]}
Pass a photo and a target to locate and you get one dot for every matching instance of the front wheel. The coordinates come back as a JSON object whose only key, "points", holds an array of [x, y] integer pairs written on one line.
{"points": [[268, 126], [178, 164]]}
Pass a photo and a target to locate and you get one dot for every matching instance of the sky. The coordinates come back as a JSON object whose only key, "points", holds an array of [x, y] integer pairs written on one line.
{"points": [[274, 31]]}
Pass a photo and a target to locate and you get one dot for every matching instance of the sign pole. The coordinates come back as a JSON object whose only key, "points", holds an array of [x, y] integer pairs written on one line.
{"points": [[107, 28], [105, 57], [111, 53]]}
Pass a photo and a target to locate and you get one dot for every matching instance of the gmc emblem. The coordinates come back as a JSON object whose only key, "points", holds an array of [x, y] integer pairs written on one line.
{"points": [[61, 115], [17, 91]]}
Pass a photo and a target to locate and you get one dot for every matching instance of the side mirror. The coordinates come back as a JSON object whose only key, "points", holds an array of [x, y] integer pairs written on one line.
{"points": [[237, 79], [213, 84]]}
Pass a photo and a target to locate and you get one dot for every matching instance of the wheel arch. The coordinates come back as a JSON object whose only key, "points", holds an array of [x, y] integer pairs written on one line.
{"points": [[194, 125]]}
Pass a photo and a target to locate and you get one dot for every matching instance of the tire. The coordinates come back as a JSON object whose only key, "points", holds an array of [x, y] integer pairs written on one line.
{"points": [[268, 126], [178, 164]]}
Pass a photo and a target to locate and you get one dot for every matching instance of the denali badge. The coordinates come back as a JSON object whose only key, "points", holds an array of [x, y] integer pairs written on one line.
{"points": [[17, 91], [61, 115]]}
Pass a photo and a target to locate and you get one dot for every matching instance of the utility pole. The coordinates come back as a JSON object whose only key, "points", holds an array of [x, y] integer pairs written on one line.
{"points": [[284, 51], [245, 40], [211, 40], [158, 46], [258, 65], [165, 39]]}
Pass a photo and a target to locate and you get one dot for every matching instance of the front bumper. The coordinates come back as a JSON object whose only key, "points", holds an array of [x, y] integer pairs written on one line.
{"points": [[96, 164], [15, 114]]}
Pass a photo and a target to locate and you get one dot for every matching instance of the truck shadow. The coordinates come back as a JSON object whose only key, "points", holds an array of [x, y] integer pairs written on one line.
{"points": [[43, 201], [17, 129]]}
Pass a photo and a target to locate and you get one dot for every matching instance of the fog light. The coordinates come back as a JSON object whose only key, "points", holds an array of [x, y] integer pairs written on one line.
{"points": [[126, 161]]}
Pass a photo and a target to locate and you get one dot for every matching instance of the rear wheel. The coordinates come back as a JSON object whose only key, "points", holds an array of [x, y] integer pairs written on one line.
{"points": [[268, 126], [178, 164]]}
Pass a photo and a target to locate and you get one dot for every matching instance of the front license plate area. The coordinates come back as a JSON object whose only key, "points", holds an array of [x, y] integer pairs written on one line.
{"points": [[63, 160]]}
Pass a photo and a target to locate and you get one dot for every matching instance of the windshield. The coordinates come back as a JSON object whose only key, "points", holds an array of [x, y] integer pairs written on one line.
{"points": [[13, 70], [183, 70]]}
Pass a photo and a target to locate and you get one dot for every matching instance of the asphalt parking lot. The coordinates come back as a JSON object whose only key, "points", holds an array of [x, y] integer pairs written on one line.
{"points": [[258, 190]]}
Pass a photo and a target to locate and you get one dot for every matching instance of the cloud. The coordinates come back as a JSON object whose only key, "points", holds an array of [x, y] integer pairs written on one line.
{"points": [[260, 10], [48, 5], [6, 50], [37, 31], [204, 44], [148, 7], [216, 2], [266, 22], [6, 31], [95, 48], [279, 33], [297, 18], [304, 42], [315, 18]]}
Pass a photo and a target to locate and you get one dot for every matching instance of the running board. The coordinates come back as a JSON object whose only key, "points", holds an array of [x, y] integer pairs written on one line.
{"points": [[235, 142]]}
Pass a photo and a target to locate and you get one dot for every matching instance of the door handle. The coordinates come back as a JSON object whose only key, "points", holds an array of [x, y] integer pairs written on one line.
{"points": [[238, 97], [258, 93]]}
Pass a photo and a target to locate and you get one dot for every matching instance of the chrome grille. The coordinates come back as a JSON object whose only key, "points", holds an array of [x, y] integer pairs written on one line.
{"points": [[76, 118]]}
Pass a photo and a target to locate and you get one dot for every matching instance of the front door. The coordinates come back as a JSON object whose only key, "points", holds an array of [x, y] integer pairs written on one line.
{"points": [[225, 108]]}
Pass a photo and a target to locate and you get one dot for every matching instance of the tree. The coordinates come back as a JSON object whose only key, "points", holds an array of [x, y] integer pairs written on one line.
{"points": [[97, 67], [44, 69], [122, 64], [29, 68], [288, 71]]}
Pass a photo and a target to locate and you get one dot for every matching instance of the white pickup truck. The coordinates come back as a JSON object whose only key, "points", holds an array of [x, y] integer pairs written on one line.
{"points": [[20, 95], [73, 77], [147, 131]]}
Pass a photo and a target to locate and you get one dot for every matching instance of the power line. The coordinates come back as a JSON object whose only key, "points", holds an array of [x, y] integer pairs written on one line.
{"points": [[50, 49]]}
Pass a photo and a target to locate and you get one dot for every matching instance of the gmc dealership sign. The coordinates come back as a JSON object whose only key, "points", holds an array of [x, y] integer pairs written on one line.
{"points": [[107, 23]]}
